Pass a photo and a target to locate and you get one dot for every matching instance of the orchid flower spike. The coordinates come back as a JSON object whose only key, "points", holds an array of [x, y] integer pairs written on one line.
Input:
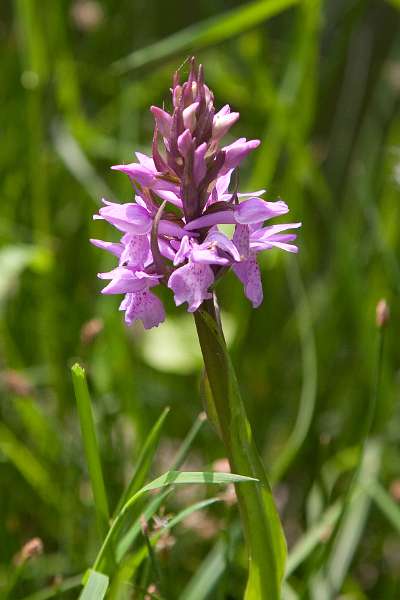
{"points": [[189, 174]]}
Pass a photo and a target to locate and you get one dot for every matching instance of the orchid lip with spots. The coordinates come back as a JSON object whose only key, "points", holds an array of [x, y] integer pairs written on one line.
{"points": [[171, 232]]}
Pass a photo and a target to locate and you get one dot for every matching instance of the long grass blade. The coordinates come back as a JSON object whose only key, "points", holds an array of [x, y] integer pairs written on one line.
{"points": [[169, 478], [96, 586], [207, 33], [144, 460], [90, 443]]}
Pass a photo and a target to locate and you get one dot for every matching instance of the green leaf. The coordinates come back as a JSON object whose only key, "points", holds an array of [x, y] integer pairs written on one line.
{"points": [[29, 466], [310, 540], [95, 587], [185, 477], [144, 461], [169, 478], [91, 447], [154, 505], [133, 532], [210, 571], [13, 260], [264, 534], [386, 504], [206, 33], [54, 591]]}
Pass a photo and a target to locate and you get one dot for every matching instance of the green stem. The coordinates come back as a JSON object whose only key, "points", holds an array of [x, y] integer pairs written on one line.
{"points": [[262, 528]]}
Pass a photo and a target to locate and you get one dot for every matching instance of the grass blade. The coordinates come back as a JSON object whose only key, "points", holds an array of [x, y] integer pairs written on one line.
{"points": [[91, 447], [96, 586], [386, 504], [188, 441], [307, 544], [132, 533], [169, 478], [28, 465], [209, 32], [54, 591], [144, 461], [210, 571]]}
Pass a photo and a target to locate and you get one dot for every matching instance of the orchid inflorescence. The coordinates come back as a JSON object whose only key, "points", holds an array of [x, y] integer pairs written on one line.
{"points": [[170, 232]]}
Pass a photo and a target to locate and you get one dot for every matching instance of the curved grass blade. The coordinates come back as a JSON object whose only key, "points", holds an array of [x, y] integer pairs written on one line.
{"points": [[96, 586], [385, 503], [207, 33], [144, 461], [29, 467], [153, 506], [54, 591], [130, 566], [210, 571], [169, 478], [309, 387], [133, 532], [91, 447]]}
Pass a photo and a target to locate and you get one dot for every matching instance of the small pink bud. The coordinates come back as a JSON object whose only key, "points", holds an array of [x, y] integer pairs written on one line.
{"points": [[189, 116], [382, 313]]}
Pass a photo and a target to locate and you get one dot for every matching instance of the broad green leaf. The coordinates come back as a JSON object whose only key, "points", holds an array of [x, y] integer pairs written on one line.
{"points": [[144, 460], [95, 587], [91, 447], [206, 33]]}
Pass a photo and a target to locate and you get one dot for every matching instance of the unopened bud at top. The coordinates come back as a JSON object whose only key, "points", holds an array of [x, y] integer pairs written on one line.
{"points": [[32, 548], [382, 313]]}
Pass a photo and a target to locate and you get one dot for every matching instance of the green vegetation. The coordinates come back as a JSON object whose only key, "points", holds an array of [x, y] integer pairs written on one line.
{"points": [[318, 83]]}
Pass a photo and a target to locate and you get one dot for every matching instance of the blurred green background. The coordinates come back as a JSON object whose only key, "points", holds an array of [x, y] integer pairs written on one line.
{"points": [[319, 83]]}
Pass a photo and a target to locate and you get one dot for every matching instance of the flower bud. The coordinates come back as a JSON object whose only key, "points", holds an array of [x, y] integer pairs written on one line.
{"points": [[382, 313]]}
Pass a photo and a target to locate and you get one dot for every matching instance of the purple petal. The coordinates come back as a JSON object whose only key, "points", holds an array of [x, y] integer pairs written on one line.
{"points": [[139, 173], [190, 284], [249, 274], [267, 232], [136, 251], [171, 229], [189, 116], [146, 161], [222, 185], [122, 281], [256, 210], [236, 152], [163, 120], [143, 306], [222, 123], [184, 250], [221, 241], [185, 143], [170, 197], [112, 247], [241, 239], [215, 218], [129, 218], [199, 165]]}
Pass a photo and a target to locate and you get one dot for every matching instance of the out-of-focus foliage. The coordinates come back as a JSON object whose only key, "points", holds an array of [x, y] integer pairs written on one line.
{"points": [[319, 83]]}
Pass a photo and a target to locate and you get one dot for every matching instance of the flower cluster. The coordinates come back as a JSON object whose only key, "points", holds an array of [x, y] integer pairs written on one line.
{"points": [[170, 232]]}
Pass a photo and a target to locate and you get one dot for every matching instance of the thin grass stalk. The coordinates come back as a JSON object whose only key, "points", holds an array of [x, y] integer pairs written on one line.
{"points": [[262, 528]]}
